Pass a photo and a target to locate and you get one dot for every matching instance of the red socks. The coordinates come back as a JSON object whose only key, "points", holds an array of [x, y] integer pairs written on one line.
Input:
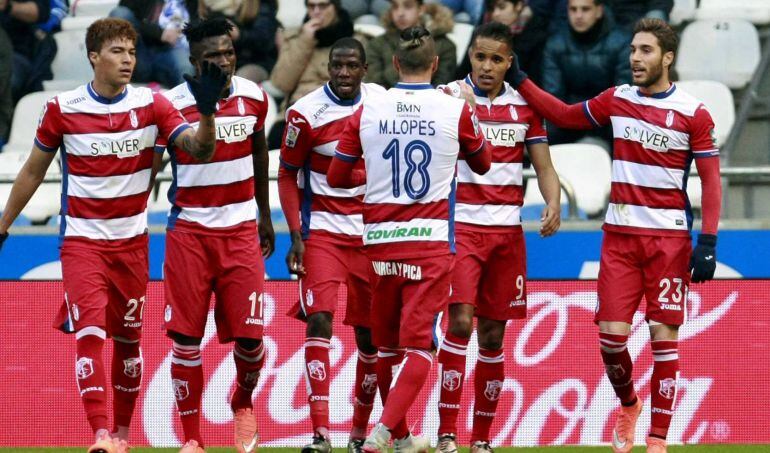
{"points": [[91, 379], [388, 363], [248, 363], [407, 384], [317, 377], [451, 360], [665, 373], [488, 384], [126, 381], [365, 391], [618, 365], [187, 383]]}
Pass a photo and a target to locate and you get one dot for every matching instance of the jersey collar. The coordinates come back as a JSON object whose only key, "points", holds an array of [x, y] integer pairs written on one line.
{"points": [[661, 95], [413, 86], [338, 100], [477, 91], [104, 100]]}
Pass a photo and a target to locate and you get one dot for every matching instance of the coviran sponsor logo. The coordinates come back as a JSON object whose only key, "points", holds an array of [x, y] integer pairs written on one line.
{"points": [[399, 233]]}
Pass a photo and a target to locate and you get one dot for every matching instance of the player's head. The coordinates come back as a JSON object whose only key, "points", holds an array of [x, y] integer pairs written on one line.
{"points": [[210, 41], [416, 54], [652, 52], [405, 13], [347, 67], [111, 47], [584, 14], [491, 54], [505, 11]]}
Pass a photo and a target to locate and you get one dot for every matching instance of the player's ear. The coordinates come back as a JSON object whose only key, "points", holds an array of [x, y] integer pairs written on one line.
{"points": [[434, 66], [668, 59], [92, 57]]}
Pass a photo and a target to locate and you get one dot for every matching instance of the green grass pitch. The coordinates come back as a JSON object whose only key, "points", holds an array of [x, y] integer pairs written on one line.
{"points": [[672, 449]]}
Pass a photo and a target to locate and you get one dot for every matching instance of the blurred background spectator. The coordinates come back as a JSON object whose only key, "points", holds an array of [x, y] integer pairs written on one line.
{"points": [[402, 15], [33, 52], [466, 11], [372, 9], [6, 97], [583, 60], [627, 12]]}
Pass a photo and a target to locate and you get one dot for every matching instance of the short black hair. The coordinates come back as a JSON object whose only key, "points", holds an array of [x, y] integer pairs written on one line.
{"points": [[416, 50], [495, 31], [351, 44], [197, 31]]}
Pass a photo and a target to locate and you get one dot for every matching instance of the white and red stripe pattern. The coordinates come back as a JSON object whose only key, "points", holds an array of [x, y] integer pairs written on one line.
{"points": [[655, 139], [185, 355], [495, 198], [107, 152], [218, 194], [314, 126]]}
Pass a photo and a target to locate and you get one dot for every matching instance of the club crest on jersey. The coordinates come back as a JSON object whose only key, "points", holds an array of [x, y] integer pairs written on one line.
{"points": [[492, 391], [241, 108], [133, 118], [84, 367], [316, 370], [132, 367], [667, 388], [167, 313], [514, 113], [181, 389], [670, 118], [292, 133], [451, 380], [369, 384]]}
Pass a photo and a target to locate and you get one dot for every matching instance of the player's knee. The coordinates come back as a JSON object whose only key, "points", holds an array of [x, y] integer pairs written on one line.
{"points": [[461, 325], [319, 325], [184, 340], [248, 344], [490, 334], [364, 340]]}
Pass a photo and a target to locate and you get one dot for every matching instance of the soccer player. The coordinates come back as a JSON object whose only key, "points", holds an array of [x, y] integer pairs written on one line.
{"points": [[489, 279], [213, 238], [106, 130], [326, 248], [647, 251], [410, 138]]}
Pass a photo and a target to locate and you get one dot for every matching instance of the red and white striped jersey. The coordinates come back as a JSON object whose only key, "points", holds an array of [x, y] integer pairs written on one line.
{"points": [[410, 138], [495, 198], [314, 125], [107, 152], [655, 139], [207, 197]]}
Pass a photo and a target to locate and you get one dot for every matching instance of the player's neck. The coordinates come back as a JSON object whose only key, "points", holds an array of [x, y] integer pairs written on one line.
{"points": [[662, 85], [493, 93], [415, 78], [105, 89]]}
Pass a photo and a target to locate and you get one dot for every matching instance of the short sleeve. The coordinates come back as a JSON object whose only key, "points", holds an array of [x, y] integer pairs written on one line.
{"points": [[468, 132], [597, 109], [297, 140], [703, 138], [536, 131], [262, 107], [49, 127], [169, 120], [349, 146]]}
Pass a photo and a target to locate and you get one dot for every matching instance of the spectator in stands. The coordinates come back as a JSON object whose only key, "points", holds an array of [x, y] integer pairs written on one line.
{"points": [[32, 56], [6, 98], [466, 11], [373, 9], [627, 12], [583, 60], [402, 15], [255, 33], [59, 10], [162, 53]]}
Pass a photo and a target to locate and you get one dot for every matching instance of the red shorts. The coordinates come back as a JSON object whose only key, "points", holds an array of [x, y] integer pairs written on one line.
{"points": [[328, 266], [408, 295], [104, 289], [633, 266], [491, 274], [229, 266]]}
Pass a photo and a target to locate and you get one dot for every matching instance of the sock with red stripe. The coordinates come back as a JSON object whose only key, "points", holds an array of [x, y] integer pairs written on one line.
{"points": [[405, 387], [388, 363], [248, 363], [451, 361], [187, 382], [364, 393], [317, 377], [91, 378], [488, 384], [665, 373], [618, 365], [126, 381]]}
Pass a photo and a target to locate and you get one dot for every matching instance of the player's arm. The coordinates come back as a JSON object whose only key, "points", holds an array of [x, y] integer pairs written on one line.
{"points": [[261, 192], [342, 172], [548, 183], [472, 144]]}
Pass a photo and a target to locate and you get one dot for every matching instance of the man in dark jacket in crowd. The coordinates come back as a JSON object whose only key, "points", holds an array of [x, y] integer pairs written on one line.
{"points": [[627, 12], [584, 60], [32, 53]]}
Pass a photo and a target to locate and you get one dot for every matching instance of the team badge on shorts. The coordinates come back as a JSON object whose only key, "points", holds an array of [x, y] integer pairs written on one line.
{"points": [[292, 133], [132, 367], [316, 370], [75, 312], [181, 389], [667, 388], [369, 384], [492, 392], [451, 380], [167, 314], [84, 367]]}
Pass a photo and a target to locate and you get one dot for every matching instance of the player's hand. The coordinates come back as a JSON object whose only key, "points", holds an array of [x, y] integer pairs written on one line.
{"points": [[466, 92], [208, 87], [3, 237], [703, 262], [266, 236], [519, 76], [550, 220], [295, 255]]}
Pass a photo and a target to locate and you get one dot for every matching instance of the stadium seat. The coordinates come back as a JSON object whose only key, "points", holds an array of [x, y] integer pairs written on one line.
{"points": [[274, 155], [99, 8], [461, 36], [755, 11], [694, 191], [272, 113], [291, 13], [369, 30], [587, 168], [78, 23], [71, 66], [719, 101], [25, 121], [726, 51], [45, 202], [683, 11]]}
